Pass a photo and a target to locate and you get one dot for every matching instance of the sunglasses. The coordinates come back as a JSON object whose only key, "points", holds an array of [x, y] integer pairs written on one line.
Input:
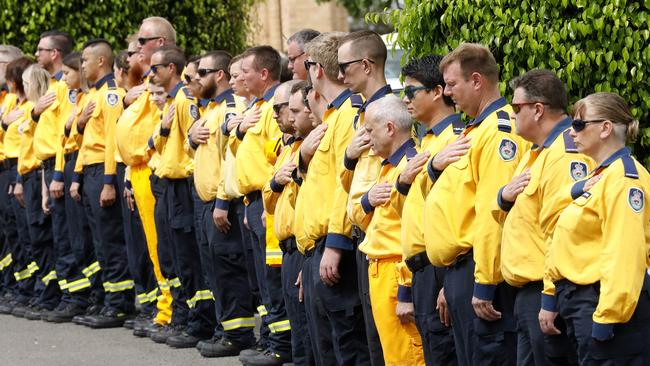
{"points": [[344, 65], [278, 107], [143, 40], [580, 124], [131, 53], [204, 72], [516, 107], [410, 90], [309, 64], [154, 68], [305, 100], [188, 79]]}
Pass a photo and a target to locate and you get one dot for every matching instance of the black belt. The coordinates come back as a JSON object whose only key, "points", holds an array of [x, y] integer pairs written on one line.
{"points": [[463, 258], [253, 196], [289, 245], [10, 163], [49, 163], [417, 262]]}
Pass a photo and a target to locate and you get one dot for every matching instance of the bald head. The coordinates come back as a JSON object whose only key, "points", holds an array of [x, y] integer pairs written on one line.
{"points": [[283, 91]]}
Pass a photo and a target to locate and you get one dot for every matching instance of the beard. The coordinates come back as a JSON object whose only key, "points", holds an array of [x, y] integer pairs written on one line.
{"points": [[209, 91], [134, 76]]}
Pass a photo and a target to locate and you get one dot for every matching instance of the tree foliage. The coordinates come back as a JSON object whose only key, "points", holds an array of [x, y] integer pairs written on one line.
{"points": [[597, 45], [200, 25]]}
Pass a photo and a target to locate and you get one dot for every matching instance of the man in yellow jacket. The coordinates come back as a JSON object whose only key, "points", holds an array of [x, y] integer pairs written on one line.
{"points": [[97, 157], [459, 230]]}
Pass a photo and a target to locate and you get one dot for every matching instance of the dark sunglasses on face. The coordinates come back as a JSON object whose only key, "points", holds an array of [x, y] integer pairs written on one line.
{"points": [[344, 65], [143, 40], [154, 68], [204, 72], [131, 53], [516, 107], [188, 79], [309, 64], [580, 124], [278, 107], [410, 90]]}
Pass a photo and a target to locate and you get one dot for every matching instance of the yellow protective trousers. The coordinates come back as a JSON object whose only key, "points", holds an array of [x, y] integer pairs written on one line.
{"points": [[401, 343], [145, 201]]}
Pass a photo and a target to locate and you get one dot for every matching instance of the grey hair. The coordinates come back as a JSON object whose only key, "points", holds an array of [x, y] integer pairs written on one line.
{"points": [[391, 108], [302, 37], [10, 52]]}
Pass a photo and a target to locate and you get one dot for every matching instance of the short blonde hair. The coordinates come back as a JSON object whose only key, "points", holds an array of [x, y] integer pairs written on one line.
{"points": [[473, 57], [610, 106], [165, 28], [37, 80], [324, 50]]}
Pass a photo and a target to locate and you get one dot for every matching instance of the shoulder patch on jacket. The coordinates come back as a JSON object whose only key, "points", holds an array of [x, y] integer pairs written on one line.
{"points": [[636, 199], [507, 149], [503, 121], [578, 170]]}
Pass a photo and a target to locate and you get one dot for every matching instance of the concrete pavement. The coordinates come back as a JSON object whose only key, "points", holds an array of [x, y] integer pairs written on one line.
{"points": [[38, 343]]}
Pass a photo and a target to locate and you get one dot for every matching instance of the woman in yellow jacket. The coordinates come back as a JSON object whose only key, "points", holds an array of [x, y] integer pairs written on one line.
{"points": [[599, 253]]}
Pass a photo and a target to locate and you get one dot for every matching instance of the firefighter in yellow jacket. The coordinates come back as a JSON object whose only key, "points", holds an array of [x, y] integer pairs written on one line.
{"points": [[459, 230], [530, 204], [97, 157], [423, 94], [222, 256], [599, 254], [388, 125]]}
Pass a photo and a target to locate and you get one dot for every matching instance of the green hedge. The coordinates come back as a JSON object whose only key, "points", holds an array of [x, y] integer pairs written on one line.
{"points": [[200, 25], [597, 45]]}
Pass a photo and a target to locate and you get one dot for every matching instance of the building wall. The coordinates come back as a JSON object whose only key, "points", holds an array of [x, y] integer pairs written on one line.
{"points": [[276, 20]]}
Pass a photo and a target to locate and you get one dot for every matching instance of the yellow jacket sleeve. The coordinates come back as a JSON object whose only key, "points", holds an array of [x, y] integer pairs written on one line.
{"points": [[112, 112], [623, 259]]}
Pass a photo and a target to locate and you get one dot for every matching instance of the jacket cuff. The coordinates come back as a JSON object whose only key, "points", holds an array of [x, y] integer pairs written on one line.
{"points": [[301, 164], [403, 189], [296, 178], [350, 164], [57, 176], [80, 130], [404, 294], [164, 132], [224, 128], [240, 135], [338, 241], [275, 186], [110, 179], [76, 177], [549, 303], [66, 132], [365, 204], [221, 204], [19, 178], [193, 145], [151, 144], [484, 292], [35, 117], [578, 189], [602, 332], [433, 172], [503, 204], [127, 185]]}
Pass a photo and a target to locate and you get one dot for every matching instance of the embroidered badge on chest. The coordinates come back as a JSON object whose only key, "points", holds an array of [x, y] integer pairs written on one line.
{"points": [[578, 170], [635, 199], [194, 111], [72, 96], [507, 149], [112, 99]]}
